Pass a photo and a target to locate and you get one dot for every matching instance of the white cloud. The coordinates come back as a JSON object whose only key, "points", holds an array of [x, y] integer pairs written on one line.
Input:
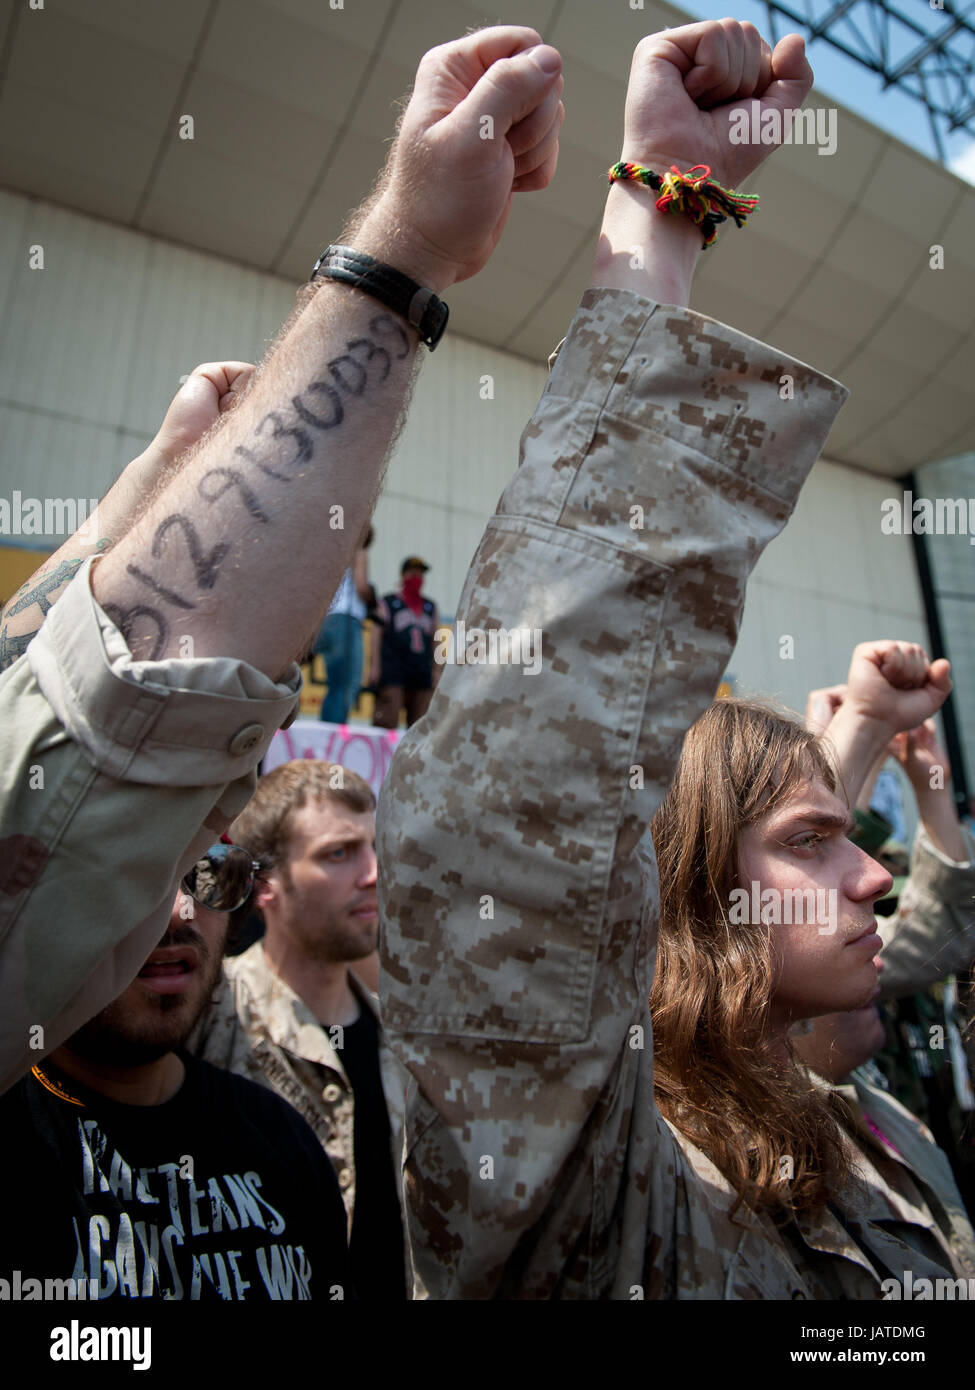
{"points": [[964, 164]]}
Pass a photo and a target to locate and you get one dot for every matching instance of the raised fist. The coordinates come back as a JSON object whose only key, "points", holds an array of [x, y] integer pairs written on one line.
{"points": [[894, 684], [919, 753], [481, 125], [685, 83], [821, 705], [208, 392]]}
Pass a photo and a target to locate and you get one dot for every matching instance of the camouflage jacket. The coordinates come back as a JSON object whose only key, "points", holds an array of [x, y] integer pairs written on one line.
{"points": [[257, 1026], [518, 884], [906, 1147], [932, 933]]}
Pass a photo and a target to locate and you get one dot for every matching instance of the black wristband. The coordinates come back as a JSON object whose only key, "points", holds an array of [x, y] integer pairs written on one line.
{"points": [[420, 307]]}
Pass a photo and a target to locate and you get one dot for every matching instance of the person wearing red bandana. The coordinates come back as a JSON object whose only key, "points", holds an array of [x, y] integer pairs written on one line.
{"points": [[406, 675]]}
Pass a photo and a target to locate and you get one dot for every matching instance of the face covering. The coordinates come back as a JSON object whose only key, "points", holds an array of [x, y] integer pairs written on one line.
{"points": [[412, 584]]}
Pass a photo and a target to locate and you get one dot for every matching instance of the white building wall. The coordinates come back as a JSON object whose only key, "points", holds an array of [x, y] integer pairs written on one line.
{"points": [[829, 581], [952, 563], [92, 348], [457, 452]]}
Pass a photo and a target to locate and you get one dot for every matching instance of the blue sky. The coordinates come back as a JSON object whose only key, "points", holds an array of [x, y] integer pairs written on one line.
{"points": [[856, 87]]}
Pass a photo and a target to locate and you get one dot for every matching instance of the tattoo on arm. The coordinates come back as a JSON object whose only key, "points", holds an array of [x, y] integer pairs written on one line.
{"points": [[385, 324], [126, 620], [13, 647], [206, 566], [357, 385], [350, 373], [371, 351], [234, 479], [365, 364], [43, 589], [318, 421], [303, 446], [39, 593], [160, 589]]}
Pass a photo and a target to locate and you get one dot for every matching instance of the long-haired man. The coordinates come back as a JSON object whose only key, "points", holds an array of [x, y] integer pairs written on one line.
{"points": [[766, 920]]}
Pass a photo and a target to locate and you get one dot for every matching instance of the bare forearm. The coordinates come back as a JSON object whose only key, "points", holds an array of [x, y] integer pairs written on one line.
{"points": [[858, 742], [115, 513], [940, 820], [870, 783], [640, 249], [215, 557], [360, 574]]}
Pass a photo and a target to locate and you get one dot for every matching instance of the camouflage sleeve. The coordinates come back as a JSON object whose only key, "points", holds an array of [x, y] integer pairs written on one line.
{"points": [[932, 934], [518, 895], [218, 1036]]}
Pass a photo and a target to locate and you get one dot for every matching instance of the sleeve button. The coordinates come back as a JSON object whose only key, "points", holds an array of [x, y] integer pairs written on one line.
{"points": [[245, 740]]}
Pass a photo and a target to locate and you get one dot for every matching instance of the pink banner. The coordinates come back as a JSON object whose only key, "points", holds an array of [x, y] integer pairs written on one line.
{"points": [[359, 747]]}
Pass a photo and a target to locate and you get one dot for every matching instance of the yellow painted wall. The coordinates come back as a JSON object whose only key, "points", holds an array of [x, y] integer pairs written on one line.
{"points": [[16, 566], [316, 684]]}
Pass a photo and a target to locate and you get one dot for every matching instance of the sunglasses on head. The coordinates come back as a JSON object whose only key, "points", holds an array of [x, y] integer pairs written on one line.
{"points": [[223, 878]]}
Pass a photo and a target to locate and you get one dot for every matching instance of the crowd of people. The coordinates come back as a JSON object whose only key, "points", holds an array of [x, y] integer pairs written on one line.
{"points": [[586, 1007]]}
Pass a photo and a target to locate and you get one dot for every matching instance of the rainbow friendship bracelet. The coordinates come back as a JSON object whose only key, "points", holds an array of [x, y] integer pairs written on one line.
{"points": [[697, 194]]}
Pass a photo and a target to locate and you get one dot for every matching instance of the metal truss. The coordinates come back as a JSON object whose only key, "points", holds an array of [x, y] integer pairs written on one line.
{"points": [[929, 53]]}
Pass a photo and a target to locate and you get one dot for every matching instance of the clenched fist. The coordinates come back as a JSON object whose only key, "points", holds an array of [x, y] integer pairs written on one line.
{"points": [[482, 124], [685, 83], [209, 391], [894, 683]]}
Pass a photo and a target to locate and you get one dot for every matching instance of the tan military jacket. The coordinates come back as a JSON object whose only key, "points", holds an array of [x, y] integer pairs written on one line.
{"points": [[518, 884], [932, 933], [911, 1146], [257, 1026], [115, 775]]}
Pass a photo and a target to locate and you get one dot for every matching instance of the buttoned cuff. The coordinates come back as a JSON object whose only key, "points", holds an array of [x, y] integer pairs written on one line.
{"points": [[700, 384], [171, 723], [695, 389], [952, 879]]}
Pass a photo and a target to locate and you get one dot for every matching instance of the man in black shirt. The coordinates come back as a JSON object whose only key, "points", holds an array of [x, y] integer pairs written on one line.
{"points": [[403, 668], [145, 1173], [292, 1013]]}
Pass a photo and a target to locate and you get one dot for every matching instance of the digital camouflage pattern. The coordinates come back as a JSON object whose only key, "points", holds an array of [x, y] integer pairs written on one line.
{"points": [[518, 884], [930, 936], [258, 1027], [932, 933], [916, 1167]]}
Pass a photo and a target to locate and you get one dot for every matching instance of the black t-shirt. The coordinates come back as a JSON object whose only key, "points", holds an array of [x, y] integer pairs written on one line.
{"points": [[407, 643], [376, 1246], [222, 1192]]}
